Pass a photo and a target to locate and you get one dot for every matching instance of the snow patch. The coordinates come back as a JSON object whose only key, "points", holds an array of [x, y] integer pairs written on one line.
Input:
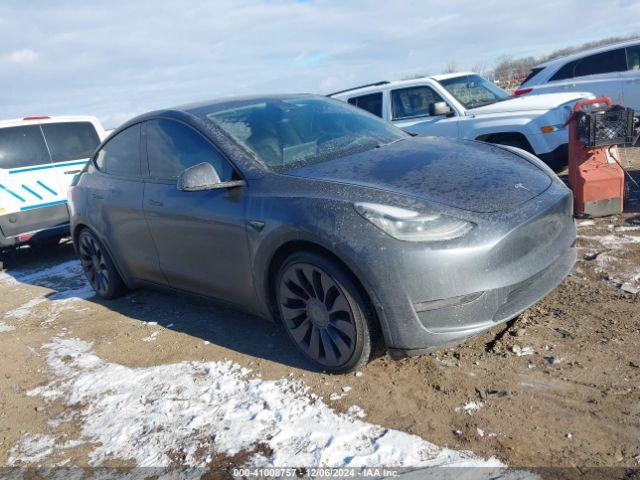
{"points": [[67, 282], [470, 407], [31, 448], [611, 261], [356, 411], [151, 338], [66, 279], [24, 310], [201, 408], [522, 351], [585, 223], [6, 328]]}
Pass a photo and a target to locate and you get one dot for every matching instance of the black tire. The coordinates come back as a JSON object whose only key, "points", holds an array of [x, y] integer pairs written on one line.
{"points": [[98, 266], [512, 142], [324, 313]]}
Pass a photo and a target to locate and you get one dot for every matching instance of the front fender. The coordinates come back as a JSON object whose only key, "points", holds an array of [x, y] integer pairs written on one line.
{"points": [[309, 230]]}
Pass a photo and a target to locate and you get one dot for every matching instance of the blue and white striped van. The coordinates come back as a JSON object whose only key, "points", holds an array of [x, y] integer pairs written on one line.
{"points": [[39, 157]]}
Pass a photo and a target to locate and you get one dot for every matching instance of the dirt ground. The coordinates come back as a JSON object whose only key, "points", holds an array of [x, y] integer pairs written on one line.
{"points": [[559, 386]]}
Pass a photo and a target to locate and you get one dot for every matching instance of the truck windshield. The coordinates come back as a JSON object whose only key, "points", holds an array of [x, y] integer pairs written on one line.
{"points": [[291, 132], [473, 91]]}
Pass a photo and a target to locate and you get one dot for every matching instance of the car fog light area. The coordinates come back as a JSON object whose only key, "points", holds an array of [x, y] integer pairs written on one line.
{"points": [[412, 226]]}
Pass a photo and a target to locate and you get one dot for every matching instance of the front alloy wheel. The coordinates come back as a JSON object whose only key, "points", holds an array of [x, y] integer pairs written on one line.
{"points": [[323, 313]]}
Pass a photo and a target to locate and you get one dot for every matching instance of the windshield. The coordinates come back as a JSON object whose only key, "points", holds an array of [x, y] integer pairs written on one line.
{"points": [[473, 91], [287, 133]]}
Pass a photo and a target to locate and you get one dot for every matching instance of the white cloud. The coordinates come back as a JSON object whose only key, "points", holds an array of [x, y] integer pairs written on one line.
{"points": [[114, 58], [23, 56]]}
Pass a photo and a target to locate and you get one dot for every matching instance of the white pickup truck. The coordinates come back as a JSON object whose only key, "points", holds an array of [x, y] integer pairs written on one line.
{"points": [[466, 105]]}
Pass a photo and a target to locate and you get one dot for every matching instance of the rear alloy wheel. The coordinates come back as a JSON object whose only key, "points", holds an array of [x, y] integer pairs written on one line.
{"points": [[324, 313], [98, 266]]}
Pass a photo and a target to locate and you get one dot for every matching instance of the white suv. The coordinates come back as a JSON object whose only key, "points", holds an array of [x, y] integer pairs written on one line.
{"points": [[39, 157], [612, 71]]}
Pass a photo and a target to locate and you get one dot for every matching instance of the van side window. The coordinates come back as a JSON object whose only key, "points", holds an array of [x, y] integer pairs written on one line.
{"points": [[605, 62], [372, 103], [413, 101], [121, 154], [70, 140], [22, 147], [173, 147], [633, 58]]}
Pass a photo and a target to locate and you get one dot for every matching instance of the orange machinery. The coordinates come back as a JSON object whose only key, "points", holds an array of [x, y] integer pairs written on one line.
{"points": [[595, 174]]}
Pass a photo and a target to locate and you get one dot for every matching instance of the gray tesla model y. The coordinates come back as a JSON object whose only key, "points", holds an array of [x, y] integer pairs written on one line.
{"points": [[356, 236]]}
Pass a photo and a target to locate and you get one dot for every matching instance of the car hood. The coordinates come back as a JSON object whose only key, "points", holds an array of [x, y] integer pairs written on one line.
{"points": [[544, 102], [466, 175]]}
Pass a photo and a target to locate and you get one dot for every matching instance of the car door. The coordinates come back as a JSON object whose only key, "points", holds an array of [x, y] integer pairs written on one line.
{"points": [[70, 144], [115, 196], [200, 236], [631, 79], [410, 111]]}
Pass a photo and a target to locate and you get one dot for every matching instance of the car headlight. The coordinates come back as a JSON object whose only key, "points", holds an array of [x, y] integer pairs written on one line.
{"points": [[412, 226]]}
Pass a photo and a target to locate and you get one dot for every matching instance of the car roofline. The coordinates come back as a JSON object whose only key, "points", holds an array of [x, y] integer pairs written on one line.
{"points": [[376, 86], [585, 53], [33, 120], [188, 110]]}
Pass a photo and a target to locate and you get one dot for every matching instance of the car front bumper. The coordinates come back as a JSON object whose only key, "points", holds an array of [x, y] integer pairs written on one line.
{"points": [[427, 297], [459, 322]]}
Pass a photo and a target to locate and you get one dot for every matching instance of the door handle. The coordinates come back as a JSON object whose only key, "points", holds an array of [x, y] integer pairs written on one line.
{"points": [[97, 196], [72, 172], [155, 203]]}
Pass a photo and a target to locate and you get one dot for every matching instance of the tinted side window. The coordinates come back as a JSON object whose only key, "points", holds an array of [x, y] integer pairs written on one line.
{"points": [[121, 155], [70, 140], [22, 147], [605, 62], [633, 58], [173, 147], [566, 71], [413, 101], [372, 103]]}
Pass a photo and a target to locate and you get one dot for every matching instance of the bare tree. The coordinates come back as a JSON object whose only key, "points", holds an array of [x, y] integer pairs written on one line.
{"points": [[479, 67], [451, 67]]}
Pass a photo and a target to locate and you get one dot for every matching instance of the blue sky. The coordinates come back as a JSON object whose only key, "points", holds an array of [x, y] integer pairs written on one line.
{"points": [[120, 58]]}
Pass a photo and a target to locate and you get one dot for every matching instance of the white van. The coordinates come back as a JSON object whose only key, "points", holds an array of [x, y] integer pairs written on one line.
{"points": [[39, 157]]}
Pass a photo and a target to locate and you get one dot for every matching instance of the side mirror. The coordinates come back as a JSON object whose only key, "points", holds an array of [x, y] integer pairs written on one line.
{"points": [[440, 108], [203, 177]]}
